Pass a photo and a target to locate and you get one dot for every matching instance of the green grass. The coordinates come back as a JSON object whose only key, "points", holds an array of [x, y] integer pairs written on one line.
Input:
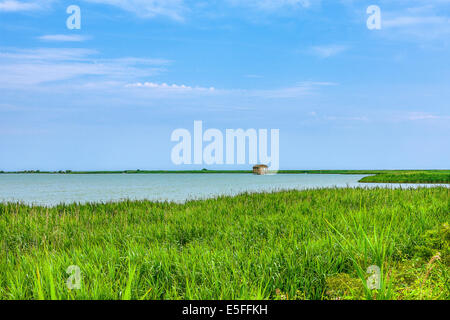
{"points": [[313, 244], [442, 176]]}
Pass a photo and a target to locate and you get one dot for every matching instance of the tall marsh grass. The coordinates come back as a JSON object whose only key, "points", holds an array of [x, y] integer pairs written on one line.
{"points": [[313, 244], [438, 177]]}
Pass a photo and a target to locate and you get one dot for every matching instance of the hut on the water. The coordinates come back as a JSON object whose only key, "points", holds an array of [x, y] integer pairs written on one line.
{"points": [[260, 169]]}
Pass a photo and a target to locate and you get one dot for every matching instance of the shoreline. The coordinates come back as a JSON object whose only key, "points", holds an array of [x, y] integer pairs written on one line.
{"points": [[373, 176], [222, 197], [207, 171]]}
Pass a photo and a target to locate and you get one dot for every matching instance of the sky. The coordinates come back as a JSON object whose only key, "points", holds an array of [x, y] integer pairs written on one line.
{"points": [[109, 95]]}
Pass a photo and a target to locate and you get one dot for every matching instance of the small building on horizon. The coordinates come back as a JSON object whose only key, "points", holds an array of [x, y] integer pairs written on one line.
{"points": [[260, 169]]}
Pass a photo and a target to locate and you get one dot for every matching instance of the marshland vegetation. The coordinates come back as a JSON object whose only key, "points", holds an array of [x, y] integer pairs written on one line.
{"points": [[311, 244]]}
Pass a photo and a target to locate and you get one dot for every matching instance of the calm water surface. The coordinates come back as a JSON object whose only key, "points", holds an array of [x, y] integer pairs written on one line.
{"points": [[52, 189]]}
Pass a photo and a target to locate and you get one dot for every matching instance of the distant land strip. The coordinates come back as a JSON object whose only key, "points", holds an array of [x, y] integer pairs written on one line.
{"points": [[409, 177], [375, 176]]}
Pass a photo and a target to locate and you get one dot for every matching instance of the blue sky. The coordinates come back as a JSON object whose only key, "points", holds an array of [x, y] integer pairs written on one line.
{"points": [[109, 95]]}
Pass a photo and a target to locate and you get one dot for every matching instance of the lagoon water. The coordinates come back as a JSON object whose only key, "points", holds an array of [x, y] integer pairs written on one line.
{"points": [[52, 189]]}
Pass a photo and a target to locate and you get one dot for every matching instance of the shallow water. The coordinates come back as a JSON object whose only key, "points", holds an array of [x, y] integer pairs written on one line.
{"points": [[52, 189]]}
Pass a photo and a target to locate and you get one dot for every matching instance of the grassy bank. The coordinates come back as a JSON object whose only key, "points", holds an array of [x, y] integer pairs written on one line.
{"points": [[442, 176], [314, 244]]}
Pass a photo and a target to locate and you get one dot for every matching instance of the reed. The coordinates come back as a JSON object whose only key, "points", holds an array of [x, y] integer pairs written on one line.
{"points": [[312, 244]]}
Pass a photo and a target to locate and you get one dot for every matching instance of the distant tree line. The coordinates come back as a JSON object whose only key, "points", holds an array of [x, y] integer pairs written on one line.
{"points": [[37, 171]]}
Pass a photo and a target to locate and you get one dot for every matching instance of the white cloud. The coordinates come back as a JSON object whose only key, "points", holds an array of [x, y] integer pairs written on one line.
{"points": [[51, 68], [17, 6], [407, 21], [169, 87], [299, 90], [328, 51], [296, 91], [417, 116], [45, 54], [31, 67], [173, 9], [13, 6], [347, 118], [422, 28], [269, 5], [422, 21], [63, 38]]}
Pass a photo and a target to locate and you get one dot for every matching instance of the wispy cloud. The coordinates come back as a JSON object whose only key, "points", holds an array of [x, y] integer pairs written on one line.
{"points": [[17, 6], [268, 5], [173, 9], [299, 90], [328, 50], [52, 67], [347, 118], [407, 21], [14, 55], [13, 6], [418, 27], [417, 116], [63, 38], [168, 87], [24, 68], [423, 21]]}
